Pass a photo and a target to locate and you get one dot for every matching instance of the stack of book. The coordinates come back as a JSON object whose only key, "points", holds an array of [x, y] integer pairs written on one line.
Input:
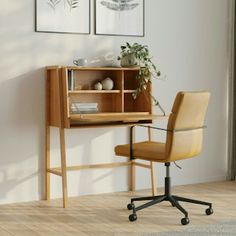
{"points": [[84, 107]]}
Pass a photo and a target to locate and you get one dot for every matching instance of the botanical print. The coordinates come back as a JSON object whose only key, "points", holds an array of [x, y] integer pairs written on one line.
{"points": [[120, 17], [63, 16], [120, 5], [71, 3]]}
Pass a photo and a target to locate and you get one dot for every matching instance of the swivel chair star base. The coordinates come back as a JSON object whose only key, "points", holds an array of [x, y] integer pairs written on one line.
{"points": [[184, 136], [174, 200]]}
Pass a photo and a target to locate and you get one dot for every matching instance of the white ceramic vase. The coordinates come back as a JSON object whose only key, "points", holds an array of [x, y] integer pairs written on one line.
{"points": [[98, 86], [107, 84]]}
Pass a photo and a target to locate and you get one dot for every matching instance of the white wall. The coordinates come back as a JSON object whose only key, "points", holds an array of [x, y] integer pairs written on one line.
{"points": [[188, 39]]}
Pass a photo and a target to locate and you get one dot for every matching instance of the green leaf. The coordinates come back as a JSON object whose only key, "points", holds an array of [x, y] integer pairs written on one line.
{"points": [[147, 71], [128, 45]]}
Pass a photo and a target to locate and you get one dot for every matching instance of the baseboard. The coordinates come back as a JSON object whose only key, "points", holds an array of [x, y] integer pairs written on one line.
{"points": [[187, 181]]}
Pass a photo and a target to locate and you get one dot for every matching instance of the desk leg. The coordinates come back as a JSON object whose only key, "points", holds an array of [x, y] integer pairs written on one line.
{"points": [[152, 168], [153, 178], [47, 164], [63, 167], [132, 176], [132, 167]]}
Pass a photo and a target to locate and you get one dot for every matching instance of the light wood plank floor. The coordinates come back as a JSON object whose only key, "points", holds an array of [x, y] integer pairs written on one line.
{"points": [[106, 214]]}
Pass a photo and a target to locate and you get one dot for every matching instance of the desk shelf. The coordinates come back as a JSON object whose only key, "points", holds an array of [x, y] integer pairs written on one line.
{"points": [[129, 91], [93, 92], [112, 116]]}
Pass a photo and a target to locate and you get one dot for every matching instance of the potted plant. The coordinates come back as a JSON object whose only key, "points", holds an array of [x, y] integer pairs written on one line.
{"points": [[138, 55]]}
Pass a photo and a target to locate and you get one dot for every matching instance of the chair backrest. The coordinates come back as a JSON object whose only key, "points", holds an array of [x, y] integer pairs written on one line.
{"points": [[186, 120]]}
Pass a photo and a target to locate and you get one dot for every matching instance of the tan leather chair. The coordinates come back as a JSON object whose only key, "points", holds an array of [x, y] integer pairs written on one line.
{"points": [[183, 140]]}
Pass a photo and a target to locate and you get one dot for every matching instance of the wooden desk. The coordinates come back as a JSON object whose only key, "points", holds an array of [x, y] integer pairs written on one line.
{"points": [[116, 108]]}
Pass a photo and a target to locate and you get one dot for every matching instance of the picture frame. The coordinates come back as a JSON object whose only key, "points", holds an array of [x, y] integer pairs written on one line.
{"points": [[62, 16], [120, 17]]}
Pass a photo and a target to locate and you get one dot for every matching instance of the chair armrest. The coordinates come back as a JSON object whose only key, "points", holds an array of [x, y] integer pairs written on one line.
{"points": [[131, 136], [172, 130], [153, 127], [157, 128]]}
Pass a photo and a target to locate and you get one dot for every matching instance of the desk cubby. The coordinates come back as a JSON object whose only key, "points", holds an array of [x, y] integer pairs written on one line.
{"points": [[118, 104], [87, 78], [130, 81]]}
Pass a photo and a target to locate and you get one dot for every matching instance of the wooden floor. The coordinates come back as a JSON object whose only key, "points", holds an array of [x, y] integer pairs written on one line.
{"points": [[106, 214]]}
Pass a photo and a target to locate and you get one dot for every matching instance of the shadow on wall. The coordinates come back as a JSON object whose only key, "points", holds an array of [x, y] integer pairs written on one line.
{"points": [[22, 140], [84, 147], [106, 59], [22, 97], [22, 128]]}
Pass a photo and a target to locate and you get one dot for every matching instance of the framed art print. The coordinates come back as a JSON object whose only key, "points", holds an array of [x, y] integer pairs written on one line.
{"points": [[63, 16], [120, 17]]}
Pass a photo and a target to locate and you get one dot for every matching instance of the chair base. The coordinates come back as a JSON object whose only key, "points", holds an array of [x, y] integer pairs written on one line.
{"points": [[173, 199]]}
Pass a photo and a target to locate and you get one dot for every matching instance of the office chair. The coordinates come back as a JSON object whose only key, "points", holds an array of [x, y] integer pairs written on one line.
{"points": [[184, 135]]}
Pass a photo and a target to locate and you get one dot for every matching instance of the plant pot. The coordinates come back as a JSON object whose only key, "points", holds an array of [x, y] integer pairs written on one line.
{"points": [[129, 61]]}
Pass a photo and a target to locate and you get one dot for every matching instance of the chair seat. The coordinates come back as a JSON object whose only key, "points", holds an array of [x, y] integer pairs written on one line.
{"points": [[143, 150]]}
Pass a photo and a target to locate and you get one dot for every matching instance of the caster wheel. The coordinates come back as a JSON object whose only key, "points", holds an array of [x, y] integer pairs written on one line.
{"points": [[173, 205], [133, 217], [130, 206], [185, 221], [209, 211]]}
